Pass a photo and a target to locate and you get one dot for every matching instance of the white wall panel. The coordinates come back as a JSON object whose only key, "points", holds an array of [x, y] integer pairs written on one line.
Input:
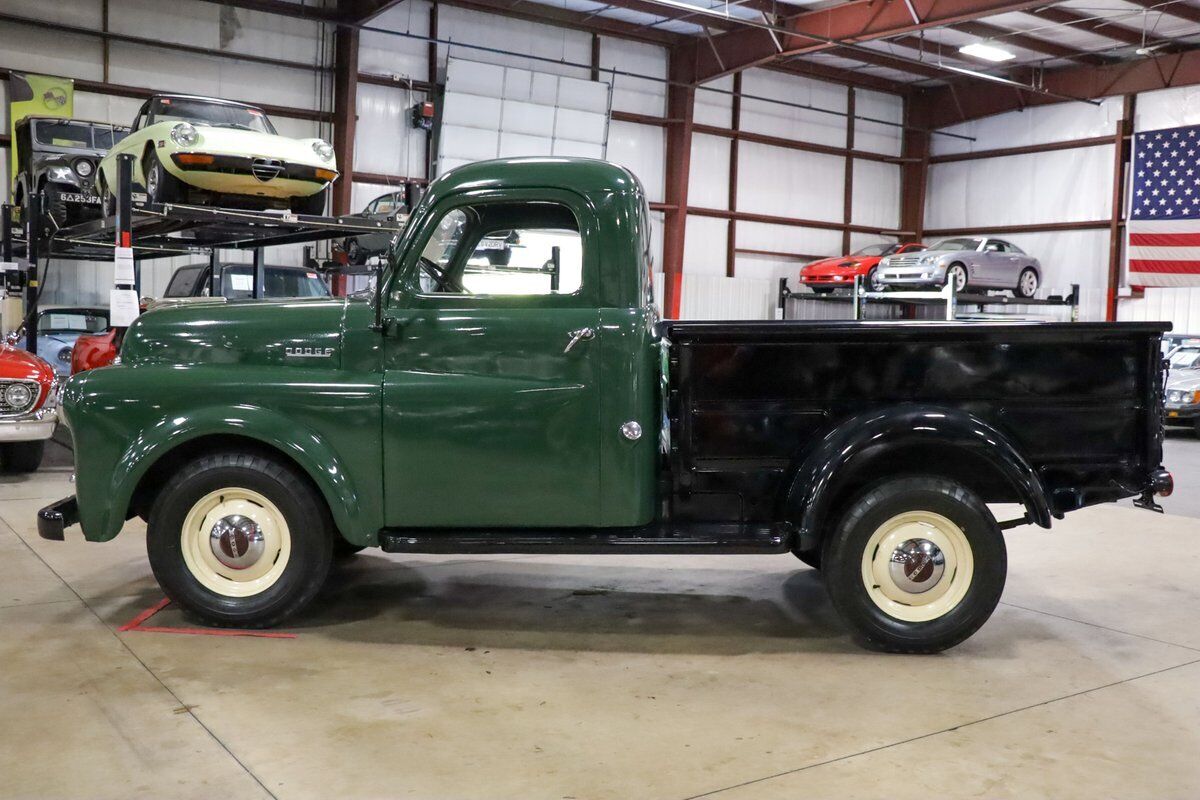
{"points": [[1178, 305], [76, 13], [154, 68], [384, 140], [704, 243], [1067, 256], [1168, 108], [714, 107], [789, 183], [105, 108], [384, 54], [221, 28], [708, 178], [1056, 186], [1038, 125], [875, 200], [496, 111], [514, 35], [861, 240], [877, 137], [50, 53], [718, 297], [788, 238], [630, 93], [789, 122], [641, 149]]}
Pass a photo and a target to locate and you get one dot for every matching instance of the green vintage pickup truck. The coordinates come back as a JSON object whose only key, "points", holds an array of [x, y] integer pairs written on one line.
{"points": [[540, 405]]}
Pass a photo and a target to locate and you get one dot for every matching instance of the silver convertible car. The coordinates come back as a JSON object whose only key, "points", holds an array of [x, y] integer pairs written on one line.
{"points": [[980, 263]]}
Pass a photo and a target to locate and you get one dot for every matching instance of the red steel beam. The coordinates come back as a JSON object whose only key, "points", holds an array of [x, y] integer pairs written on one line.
{"points": [[1122, 150], [853, 22], [680, 106], [914, 176], [937, 108], [848, 174], [345, 101], [735, 124], [1178, 10]]}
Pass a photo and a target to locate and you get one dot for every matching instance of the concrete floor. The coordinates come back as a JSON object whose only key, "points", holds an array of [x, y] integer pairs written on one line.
{"points": [[605, 677]]}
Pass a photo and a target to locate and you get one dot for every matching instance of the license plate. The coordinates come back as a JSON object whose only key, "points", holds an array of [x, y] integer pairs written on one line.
{"points": [[79, 197], [492, 244]]}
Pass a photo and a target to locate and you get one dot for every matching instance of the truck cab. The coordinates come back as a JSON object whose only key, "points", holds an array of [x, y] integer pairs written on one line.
{"points": [[540, 405]]}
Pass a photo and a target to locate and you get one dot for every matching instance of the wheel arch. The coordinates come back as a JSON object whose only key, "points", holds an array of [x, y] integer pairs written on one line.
{"points": [[907, 439], [145, 467]]}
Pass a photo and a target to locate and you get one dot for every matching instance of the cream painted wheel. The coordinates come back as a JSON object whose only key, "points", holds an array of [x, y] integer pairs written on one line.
{"points": [[917, 566], [235, 542]]}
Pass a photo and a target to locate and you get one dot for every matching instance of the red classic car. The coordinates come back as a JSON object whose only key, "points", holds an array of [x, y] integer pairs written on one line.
{"points": [[28, 408], [831, 273]]}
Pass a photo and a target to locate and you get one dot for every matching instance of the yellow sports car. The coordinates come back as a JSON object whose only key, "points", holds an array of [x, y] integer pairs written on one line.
{"points": [[191, 149]]}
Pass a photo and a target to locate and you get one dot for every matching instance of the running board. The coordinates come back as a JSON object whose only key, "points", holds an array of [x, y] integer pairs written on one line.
{"points": [[689, 538]]}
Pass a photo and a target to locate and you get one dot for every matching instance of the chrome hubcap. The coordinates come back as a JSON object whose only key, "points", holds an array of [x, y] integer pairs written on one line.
{"points": [[917, 565], [1029, 284], [958, 277], [152, 181], [237, 541]]}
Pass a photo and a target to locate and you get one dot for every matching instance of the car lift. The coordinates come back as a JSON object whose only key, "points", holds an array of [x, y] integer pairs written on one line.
{"points": [[908, 300], [158, 230]]}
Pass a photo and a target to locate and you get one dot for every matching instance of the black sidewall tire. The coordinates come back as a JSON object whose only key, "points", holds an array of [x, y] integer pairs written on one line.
{"points": [[21, 457], [169, 189], [842, 565], [308, 525]]}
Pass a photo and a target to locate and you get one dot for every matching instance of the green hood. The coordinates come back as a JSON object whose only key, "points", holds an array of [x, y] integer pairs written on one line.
{"points": [[261, 332]]}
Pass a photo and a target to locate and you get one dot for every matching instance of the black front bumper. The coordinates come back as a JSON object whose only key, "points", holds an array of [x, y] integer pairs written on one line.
{"points": [[57, 516]]}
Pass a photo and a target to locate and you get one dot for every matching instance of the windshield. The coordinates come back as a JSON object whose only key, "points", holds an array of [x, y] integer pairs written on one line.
{"points": [[82, 135], [238, 282], [876, 250], [1185, 358], [221, 115], [73, 320], [957, 244]]}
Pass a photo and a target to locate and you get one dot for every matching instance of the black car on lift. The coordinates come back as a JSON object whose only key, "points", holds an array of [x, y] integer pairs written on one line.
{"points": [[236, 281], [58, 157]]}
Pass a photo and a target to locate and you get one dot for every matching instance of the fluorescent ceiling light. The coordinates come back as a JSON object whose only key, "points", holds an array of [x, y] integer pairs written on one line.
{"points": [[986, 51]]}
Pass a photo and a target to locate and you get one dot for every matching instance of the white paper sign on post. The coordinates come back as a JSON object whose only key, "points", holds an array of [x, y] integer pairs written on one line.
{"points": [[123, 266], [122, 307]]}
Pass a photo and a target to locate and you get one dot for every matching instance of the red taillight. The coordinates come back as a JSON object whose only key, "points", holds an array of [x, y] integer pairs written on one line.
{"points": [[1164, 483]]}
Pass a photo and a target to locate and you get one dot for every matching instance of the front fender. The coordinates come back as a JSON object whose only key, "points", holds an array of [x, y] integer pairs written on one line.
{"points": [[855, 443], [307, 448]]}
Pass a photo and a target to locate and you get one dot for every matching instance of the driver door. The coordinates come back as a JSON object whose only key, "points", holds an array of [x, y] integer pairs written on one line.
{"points": [[491, 396]]}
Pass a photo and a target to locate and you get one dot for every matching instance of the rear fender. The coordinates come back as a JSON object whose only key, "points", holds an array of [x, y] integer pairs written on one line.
{"points": [[850, 453]]}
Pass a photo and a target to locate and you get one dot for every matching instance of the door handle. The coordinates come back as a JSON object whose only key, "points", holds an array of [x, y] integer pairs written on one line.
{"points": [[581, 335]]}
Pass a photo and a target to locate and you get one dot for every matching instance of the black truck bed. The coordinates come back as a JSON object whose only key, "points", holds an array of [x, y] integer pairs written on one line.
{"points": [[754, 407]]}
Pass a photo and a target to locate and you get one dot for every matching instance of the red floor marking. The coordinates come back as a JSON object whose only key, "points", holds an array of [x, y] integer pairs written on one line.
{"points": [[138, 624]]}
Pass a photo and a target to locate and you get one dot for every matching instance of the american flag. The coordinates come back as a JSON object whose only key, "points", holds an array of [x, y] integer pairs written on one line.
{"points": [[1164, 209]]}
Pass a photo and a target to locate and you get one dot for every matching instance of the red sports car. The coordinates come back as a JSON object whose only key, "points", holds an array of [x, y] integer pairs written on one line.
{"points": [[28, 408], [831, 273]]}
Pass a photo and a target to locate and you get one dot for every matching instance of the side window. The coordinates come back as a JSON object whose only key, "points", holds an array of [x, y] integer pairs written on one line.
{"points": [[182, 282], [504, 249], [994, 246]]}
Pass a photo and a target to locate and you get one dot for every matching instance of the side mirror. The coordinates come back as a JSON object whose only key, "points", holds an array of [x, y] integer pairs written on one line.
{"points": [[378, 325]]}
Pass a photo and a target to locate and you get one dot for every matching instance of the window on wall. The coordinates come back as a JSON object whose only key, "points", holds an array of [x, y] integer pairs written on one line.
{"points": [[503, 249]]}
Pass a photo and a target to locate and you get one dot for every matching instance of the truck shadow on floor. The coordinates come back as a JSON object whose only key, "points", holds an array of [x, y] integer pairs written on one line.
{"points": [[506, 604]]}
